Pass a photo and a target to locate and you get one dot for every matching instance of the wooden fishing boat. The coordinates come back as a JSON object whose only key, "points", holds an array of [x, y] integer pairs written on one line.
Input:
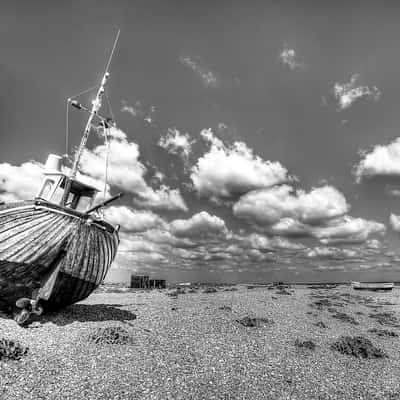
{"points": [[372, 286], [56, 249]]}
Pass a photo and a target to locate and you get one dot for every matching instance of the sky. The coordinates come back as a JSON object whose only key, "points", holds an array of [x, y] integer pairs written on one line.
{"points": [[254, 141]]}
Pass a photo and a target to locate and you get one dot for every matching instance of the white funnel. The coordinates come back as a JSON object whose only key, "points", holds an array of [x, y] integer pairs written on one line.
{"points": [[53, 164]]}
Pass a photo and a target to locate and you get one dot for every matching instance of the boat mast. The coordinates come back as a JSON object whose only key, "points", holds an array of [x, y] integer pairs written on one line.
{"points": [[96, 104]]}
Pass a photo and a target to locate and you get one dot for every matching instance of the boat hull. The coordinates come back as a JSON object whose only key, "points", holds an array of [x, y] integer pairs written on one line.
{"points": [[36, 237], [372, 286]]}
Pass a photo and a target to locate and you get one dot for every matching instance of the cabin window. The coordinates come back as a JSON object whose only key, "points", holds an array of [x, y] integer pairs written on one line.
{"points": [[46, 189], [83, 203]]}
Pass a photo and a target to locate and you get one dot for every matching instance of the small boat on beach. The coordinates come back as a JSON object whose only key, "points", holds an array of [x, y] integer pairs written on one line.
{"points": [[56, 248], [372, 286]]}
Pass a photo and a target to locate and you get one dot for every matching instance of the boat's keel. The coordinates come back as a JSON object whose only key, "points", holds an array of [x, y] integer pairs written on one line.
{"points": [[32, 306]]}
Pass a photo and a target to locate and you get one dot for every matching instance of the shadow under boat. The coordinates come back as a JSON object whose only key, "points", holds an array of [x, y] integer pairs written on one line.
{"points": [[81, 313]]}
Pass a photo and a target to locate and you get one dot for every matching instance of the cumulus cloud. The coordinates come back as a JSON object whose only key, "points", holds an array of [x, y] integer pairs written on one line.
{"points": [[224, 172], [177, 143], [382, 160], [331, 253], [133, 220], [395, 222], [20, 182], [125, 171], [348, 230], [269, 206], [207, 76], [347, 93], [200, 225], [288, 57], [320, 213]]}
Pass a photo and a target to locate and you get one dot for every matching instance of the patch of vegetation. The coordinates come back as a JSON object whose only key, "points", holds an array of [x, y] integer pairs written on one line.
{"points": [[321, 324], [225, 308], [254, 322], [386, 318], [383, 332], [305, 344], [345, 318], [12, 350], [111, 335], [210, 290], [357, 346]]}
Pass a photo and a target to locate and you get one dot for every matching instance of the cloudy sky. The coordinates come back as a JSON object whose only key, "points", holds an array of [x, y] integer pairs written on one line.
{"points": [[256, 140]]}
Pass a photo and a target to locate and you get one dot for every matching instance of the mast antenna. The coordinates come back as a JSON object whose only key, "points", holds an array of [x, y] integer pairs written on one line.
{"points": [[96, 104]]}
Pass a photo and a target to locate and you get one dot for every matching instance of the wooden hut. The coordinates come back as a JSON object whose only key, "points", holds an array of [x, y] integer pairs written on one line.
{"points": [[140, 281]]}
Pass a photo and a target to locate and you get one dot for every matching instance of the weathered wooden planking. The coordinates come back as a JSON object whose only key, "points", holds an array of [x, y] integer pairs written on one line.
{"points": [[33, 234]]}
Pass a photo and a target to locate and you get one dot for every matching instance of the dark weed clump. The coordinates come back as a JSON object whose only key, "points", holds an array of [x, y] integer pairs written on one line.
{"points": [[210, 290], [254, 322], [305, 344], [111, 335], [320, 304], [386, 318], [225, 308], [383, 332], [357, 346], [345, 318], [321, 324], [12, 350]]}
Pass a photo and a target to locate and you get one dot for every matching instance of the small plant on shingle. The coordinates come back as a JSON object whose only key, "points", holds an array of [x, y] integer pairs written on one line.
{"points": [[210, 290], [12, 350], [305, 344], [383, 332], [357, 346], [254, 322], [111, 335]]}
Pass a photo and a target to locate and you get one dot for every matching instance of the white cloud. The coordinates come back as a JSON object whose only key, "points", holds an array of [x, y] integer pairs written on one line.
{"points": [[288, 57], [331, 253], [20, 182], [347, 229], [200, 225], [347, 93], [395, 222], [208, 77], [224, 171], [382, 160], [133, 220], [269, 206], [176, 143], [319, 214], [125, 171]]}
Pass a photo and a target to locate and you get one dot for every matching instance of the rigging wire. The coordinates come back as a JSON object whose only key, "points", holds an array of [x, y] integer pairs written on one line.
{"points": [[69, 99]]}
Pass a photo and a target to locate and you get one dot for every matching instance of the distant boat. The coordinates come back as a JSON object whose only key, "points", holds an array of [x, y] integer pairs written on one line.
{"points": [[56, 249], [372, 286]]}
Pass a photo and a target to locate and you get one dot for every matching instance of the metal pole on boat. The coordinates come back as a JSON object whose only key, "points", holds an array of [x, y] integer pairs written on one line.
{"points": [[96, 104]]}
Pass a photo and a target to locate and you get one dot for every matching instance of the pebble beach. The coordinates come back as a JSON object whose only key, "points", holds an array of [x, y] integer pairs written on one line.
{"points": [[199, 345]]}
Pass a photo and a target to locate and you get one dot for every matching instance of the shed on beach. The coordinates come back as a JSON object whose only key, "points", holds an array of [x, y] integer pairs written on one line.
{"points": [[158, 283], [140, 281]]}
